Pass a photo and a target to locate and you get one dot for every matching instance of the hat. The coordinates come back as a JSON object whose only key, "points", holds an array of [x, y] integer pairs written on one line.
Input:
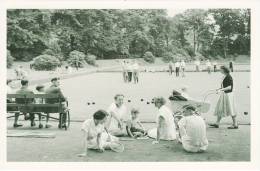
{"points": [[55, 79], [189, 107]]}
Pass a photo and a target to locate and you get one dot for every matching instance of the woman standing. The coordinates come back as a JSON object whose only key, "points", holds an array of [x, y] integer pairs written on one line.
{"points": [[166, 129], [226, 106]]}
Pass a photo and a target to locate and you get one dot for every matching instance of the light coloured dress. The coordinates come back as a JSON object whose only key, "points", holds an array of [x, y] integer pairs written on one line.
{"points": [[168, 131], [92, 130], [121, 113], [193, 133]]}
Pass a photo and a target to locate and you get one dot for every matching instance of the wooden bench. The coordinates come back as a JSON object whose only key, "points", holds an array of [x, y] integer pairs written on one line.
{"points": [[20, 103]]}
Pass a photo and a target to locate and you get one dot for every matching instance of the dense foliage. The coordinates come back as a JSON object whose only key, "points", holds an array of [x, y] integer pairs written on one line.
{"points": [[148, 57], [10, 59], [76, 59], [45, 62], [109, 34]]}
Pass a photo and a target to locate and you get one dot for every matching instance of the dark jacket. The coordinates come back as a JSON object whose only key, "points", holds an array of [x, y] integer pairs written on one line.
{"points": [[55, 90], [228, 81], [24, 91]]}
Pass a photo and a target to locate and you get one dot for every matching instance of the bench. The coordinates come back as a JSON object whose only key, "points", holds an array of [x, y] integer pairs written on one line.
{"points": [[26, 105]]}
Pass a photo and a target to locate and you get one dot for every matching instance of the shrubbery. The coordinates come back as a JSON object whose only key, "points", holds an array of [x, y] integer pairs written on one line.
{"points": [[10, 59], [91, 59], [76, 57], [148, 57], [168, 56], [45, 62]]}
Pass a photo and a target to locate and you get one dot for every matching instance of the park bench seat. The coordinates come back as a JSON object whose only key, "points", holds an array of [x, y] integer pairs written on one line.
{"points": [[23, 103]]}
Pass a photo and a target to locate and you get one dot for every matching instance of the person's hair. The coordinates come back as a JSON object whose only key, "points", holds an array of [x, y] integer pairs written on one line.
{"points": [[160, 100], [39, 87], [134, 110], [8, 81], [54, 79], [100, 114], [189, 107], [24, 82], [117, 95], [225, 69]]}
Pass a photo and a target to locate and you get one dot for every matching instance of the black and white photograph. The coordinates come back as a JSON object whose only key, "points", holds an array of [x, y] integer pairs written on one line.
{"points": [[128, 84]]}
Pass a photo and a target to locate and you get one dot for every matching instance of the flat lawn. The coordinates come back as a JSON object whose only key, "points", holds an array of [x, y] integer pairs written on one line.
{"points": [[225, 145], [100, 88]]}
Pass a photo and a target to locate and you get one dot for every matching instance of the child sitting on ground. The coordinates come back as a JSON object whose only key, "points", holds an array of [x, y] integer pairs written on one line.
{"points": [[41, 90], [134, 127]]}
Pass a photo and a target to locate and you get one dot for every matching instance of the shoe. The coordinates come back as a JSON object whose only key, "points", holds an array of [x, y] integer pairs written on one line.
{"points": [[17, 125], [233, 127], [40, 126], [33, 124], [214, 125], [47, 126]]}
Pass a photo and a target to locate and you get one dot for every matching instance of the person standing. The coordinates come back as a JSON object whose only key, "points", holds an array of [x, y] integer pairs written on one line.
{"points": [[129, 70], [183, 65], [231, 66], [215, 66], [170, 67], [117, 115], [125, 77], [208, 64], [136, 72], [177, 68], [226, 104], [197, 64], [192, 130]]}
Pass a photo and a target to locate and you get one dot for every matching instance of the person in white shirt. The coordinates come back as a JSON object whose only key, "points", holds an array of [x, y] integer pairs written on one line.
{"points": [[177, 68], [95, 135], [135, 68], [166, 129], [192, 131], [183, 65], [208, 64], [118, 114], [124, 70], [197, 64], [170, 67]]}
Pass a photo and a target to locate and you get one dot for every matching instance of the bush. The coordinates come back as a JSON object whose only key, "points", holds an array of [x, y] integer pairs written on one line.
{"points": [[91, 59], [148, 57], [10, 59], [168, 56], [45, 62], [76, 57]]}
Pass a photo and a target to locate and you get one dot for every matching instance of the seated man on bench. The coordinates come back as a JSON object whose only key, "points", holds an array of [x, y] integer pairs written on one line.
{"points": [[55, 89], [24, 90]]}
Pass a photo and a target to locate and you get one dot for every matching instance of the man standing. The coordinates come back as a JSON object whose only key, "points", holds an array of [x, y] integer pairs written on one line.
{"points": [[215, 66], [177, 68], [55, 89], [183, 65], [170, 67], [197, 64], [25, 91], [208, 64], [231, 66]]}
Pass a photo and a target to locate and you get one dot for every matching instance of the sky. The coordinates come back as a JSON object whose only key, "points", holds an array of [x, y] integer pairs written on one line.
{"points": [[173, 12]]}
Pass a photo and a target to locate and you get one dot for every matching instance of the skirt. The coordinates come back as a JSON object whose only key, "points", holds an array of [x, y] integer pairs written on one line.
{"points": [[225, 105]]}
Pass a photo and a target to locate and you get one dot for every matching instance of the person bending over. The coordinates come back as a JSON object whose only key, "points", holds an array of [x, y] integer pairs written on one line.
{"points": [[95, 136]]}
